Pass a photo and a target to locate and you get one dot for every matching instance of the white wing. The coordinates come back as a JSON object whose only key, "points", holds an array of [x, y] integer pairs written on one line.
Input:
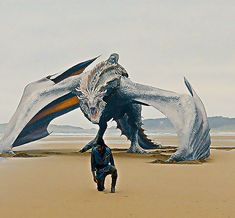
{"points": [[186, 113], [41, 102]]}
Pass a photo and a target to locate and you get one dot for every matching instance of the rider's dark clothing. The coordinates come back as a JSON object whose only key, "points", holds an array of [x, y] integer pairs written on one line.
{"points": [[104, 165]]}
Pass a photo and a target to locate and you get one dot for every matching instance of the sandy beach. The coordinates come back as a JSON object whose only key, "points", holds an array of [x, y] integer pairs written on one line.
{"points": [[51, 179]]}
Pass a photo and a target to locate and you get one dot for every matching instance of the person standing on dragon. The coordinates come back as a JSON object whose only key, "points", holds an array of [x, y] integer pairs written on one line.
{"points": [[101, 102]]}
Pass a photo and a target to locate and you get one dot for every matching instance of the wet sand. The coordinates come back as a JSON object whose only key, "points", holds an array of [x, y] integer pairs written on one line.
{"points": [[51, 179]]}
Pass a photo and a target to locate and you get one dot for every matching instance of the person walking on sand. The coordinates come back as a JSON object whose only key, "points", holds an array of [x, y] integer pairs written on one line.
{"points": [[102, 164]]}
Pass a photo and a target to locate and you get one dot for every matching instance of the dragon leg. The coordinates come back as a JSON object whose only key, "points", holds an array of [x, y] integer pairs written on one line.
{"points": [[133, 117], [100, 134], [135, 147], [130, 125]]}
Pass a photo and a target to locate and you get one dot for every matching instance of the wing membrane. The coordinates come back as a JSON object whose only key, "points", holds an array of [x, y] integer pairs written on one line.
{"points": [[186, 113]]}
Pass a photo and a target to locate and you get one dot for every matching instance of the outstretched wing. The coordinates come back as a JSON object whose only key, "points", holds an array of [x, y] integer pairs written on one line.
{"points": [[42, 101], [37, 127], [187, 114]]}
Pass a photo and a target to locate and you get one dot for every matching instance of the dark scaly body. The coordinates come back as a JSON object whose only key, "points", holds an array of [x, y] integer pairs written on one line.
{"points": [[126, 114]]}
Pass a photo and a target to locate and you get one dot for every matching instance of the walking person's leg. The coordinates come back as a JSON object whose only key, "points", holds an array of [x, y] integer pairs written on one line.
{"points": [[100, 184], [114, 175], [100, 176], [101, 180]]}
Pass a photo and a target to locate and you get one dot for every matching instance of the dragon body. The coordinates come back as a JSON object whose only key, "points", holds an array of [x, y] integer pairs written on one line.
{"points": [[101, 101], [106, 93]]}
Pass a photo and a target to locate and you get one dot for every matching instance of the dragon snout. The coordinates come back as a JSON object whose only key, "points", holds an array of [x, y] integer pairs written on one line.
{"points": [[93, 111], [94, 115]]}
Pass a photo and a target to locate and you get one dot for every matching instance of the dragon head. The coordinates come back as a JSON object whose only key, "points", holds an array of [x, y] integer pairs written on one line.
{"points": [[96, 84], [92, 105]]}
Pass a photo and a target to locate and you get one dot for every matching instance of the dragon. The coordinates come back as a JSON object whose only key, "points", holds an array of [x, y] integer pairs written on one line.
{"points": [[104, 93]]}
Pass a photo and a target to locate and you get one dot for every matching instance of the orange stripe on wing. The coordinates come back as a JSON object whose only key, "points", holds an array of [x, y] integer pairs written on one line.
{"points": [[77, 72], [56, 108]]}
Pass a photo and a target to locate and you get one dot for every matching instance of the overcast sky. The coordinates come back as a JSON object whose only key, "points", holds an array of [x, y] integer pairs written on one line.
{"points": [[159, 42]]}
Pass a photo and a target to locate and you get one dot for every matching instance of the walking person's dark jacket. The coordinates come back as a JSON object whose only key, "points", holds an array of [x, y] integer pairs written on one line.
{"points": [[101, 162]]}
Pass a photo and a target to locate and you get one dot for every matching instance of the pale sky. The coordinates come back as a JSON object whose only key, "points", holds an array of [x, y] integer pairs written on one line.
{"points": [[159, 42]]}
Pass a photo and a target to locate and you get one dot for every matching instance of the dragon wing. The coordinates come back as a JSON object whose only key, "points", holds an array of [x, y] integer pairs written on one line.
{"points": [[42, 101], [186, 113]]}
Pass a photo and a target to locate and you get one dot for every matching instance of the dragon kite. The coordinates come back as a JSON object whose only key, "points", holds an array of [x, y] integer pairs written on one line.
{"points": [[104, 93]]}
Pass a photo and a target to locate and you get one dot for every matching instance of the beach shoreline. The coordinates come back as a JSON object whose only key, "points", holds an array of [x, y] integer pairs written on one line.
{"points": [[53, 179]]}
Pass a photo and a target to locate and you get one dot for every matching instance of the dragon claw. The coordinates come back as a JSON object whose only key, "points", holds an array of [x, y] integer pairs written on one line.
{"points": [[136, 149]]}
